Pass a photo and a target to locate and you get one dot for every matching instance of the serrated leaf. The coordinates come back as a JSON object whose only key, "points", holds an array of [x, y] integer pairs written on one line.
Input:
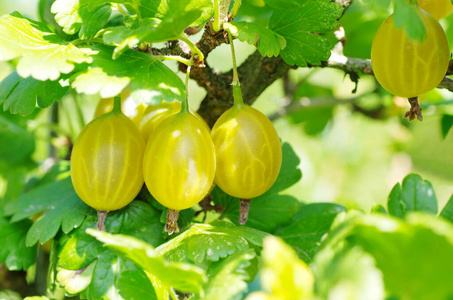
{"points": [[138, 219], [151, 80], [181, 276], [298, 26], [308, 226], [174, 9], [13, 252], [80, 15], [415, 194], [95, 80], [60, 204], [210, 242], [151, 30], [160, 22], [22, 95], [227, 278], [268, 42], [283, 275], [67, 15], [41, 54], [447, 211], [270, 209]]}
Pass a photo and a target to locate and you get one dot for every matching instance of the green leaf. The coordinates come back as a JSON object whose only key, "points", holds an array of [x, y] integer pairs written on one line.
{"points": [[78, 15], [315, 120], [41, 54], [106, 273], [406, 16], [80, 249], [284, 4], [266, 212], [347, 270], [60, 204], [298, 26], [421, 249], [134, 285], [210, 242], [415, 194], [169, 24], [283, 275], [93, 21], [21, 95], [19, 143], [446, 124], [75, 282], [378, 209], [307, 227], [181, 276], [67, 15], [174, 9], [268, 42], [13, 252], [150, 30], [138, 219], [447, 212], [150, 79], [227, 278], [270, 209]]}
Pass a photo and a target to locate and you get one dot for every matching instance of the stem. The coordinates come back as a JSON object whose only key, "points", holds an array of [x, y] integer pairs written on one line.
{"points": [[196, 53], [414, 111], [185, 102], [234, 10], [216, 23], [171, 57], [116, 104], [244, 208], [237, 93], [100, 225], [171, 225]]}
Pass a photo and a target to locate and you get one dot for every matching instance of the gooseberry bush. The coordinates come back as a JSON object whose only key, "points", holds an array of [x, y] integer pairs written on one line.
{"points": [[113, 185]]}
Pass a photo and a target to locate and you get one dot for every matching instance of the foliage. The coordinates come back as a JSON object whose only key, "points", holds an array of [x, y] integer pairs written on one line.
{"points": [[296, 244]]}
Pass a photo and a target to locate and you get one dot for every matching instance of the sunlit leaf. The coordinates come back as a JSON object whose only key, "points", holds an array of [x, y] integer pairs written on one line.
{"points": [[40, 54]]}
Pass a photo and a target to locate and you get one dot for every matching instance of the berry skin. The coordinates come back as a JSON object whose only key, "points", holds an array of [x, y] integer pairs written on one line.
{"points": [[106, 162], [179, 162], [248, 152], [155, 114], [437, 8], [409, 68]]}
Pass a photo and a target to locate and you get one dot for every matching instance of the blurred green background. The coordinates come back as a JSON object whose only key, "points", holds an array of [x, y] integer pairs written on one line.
{"points": [[353, 147]]}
